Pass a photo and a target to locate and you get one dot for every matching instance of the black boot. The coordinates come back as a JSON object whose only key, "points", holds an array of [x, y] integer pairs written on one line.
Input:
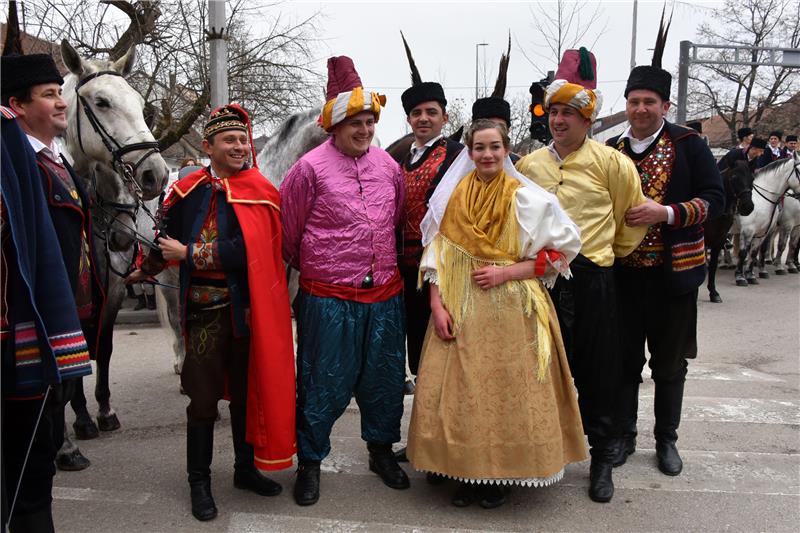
{"points": [[37, 522], [306, 487], [601, 485], [628, 405], [199, 450], [383, 462], [151, 301], [141, 303], [245, 475], [667, 406], [400, 455]]}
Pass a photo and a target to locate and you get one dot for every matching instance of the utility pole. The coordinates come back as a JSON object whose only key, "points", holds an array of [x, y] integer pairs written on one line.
{"points": [[633, 34], [218, 45], [476, 66]]}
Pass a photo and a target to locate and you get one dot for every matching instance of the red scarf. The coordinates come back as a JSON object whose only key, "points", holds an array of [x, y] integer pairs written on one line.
{"points": [[271, 379]]}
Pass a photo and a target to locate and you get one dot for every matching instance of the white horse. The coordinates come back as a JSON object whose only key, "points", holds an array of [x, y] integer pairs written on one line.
{"points": [[117, 156], [788, 230], [769, 185], [294, 137]]}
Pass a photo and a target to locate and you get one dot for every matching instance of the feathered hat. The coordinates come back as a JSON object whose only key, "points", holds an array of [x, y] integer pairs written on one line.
{"points": [[575, 84], [495, 106], [345, 95], [652, 77], [420, 91]]}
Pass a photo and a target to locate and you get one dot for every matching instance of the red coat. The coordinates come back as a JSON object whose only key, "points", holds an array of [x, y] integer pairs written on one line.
{"points": [[271, 378]]}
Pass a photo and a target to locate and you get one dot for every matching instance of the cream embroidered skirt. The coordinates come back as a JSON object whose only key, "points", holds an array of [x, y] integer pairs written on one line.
{"points": [[480, 414]]}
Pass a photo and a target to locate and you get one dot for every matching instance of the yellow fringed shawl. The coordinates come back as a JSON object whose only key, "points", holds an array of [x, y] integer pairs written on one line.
{"points": [[480, 228]]}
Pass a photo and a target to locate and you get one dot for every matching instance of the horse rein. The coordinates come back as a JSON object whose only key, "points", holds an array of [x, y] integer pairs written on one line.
{"points": [[796, 173]]}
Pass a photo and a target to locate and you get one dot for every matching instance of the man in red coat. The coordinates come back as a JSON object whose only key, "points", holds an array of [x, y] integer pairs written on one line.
{"points": [[222, 223]]}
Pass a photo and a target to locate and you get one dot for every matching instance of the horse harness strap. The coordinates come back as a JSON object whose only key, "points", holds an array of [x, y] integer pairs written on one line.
{"points": [[116, 150]]}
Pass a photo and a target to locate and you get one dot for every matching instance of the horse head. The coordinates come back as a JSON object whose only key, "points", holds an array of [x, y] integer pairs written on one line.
{"points": [[740, 181], [106, 122], [794, 178]]}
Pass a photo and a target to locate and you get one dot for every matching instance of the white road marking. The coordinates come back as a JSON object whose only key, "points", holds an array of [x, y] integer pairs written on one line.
{"points": [[734, 410], [727, 372], [106, 496], [268, 523]]}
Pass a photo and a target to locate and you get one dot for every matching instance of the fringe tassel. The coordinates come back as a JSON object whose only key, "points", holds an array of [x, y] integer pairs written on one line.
{"points": [[455, 267]]}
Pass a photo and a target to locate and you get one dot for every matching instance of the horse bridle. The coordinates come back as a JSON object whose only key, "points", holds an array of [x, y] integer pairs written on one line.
{"points": [[125, 168], [117, 150], [795, 173]]}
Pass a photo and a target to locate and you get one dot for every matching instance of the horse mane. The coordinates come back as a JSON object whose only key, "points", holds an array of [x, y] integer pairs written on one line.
{"points": [[416, 79], [13, 42], [500, 85], [661, 38], [293, 137], [772, 166]]}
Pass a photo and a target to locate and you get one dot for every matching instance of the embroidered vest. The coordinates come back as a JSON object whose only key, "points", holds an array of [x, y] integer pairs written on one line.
{"points": [[418, 181], [83, 288], [655, 168]]}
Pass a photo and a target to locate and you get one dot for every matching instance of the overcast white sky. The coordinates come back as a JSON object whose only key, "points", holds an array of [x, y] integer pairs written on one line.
{"points": [[443, 35]]}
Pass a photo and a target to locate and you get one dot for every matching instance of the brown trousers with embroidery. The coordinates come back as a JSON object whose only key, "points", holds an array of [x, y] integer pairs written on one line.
{"points": [[212, 354]]}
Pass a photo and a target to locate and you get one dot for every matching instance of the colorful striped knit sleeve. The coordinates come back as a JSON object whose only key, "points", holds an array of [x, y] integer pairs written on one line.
{"points": [[690, 213]]}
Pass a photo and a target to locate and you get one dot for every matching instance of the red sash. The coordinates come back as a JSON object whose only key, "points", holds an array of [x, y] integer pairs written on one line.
{"points": [[391, 288]]}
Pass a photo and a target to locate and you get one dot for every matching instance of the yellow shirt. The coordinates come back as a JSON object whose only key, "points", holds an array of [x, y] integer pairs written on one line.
{"points": [[595, 185]]}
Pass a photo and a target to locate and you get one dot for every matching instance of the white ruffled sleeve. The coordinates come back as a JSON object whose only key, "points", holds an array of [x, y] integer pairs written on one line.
{"points": [[428, 263], [546, 228]]}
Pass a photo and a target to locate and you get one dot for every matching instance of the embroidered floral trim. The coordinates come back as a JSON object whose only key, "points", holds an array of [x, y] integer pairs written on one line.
{"points": [[205, 256]]}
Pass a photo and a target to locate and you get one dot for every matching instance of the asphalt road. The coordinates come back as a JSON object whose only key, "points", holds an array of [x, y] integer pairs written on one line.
{"points": [[740, 441]]}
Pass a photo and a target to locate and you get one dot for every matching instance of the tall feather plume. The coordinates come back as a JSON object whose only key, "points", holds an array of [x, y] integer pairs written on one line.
{"points": [[13, 42], [661, 39], [416, 79], [500, 85]]}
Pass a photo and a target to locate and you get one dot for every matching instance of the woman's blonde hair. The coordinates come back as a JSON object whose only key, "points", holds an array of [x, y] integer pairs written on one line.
{"points": [[486, 124]]}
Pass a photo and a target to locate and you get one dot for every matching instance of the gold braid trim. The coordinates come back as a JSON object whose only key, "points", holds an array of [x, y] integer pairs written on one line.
{"points": [[455, 266]]}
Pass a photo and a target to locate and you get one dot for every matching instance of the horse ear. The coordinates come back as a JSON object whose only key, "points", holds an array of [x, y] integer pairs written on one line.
{"points": [[124, 65], [72, 59]]}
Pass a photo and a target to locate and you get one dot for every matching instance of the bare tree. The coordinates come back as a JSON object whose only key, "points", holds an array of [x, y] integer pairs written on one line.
{"points": [[743, 95], [269, 66], [560, 27]]}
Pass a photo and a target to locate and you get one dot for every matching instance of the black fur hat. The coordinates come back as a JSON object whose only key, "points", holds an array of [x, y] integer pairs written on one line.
{"points": [[758, 142], [491, 107], [776, 133], [790, 138], [744, 132], [426, 91], [23, 71], [652, 77]]}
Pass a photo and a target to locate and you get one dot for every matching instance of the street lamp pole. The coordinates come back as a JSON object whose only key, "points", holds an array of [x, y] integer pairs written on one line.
{"points": [[476, 66]]}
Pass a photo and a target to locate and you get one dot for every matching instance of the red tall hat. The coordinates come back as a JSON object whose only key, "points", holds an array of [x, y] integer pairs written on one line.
{"points": [[342, 76]]}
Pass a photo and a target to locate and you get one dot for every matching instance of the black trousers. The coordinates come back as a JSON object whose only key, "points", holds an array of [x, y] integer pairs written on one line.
{"points": [[212, 353], [418, 313], [666, 322], [19, 420], [586, 306]]}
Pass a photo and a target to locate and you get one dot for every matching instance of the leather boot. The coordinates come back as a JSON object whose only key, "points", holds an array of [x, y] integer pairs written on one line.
{"points": [[151, 301], [245, 475], [667, 406], [141, 303], [199, 451], [306, 487], [383, 462], [38, 522], [601, 485], [627, 410]]}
